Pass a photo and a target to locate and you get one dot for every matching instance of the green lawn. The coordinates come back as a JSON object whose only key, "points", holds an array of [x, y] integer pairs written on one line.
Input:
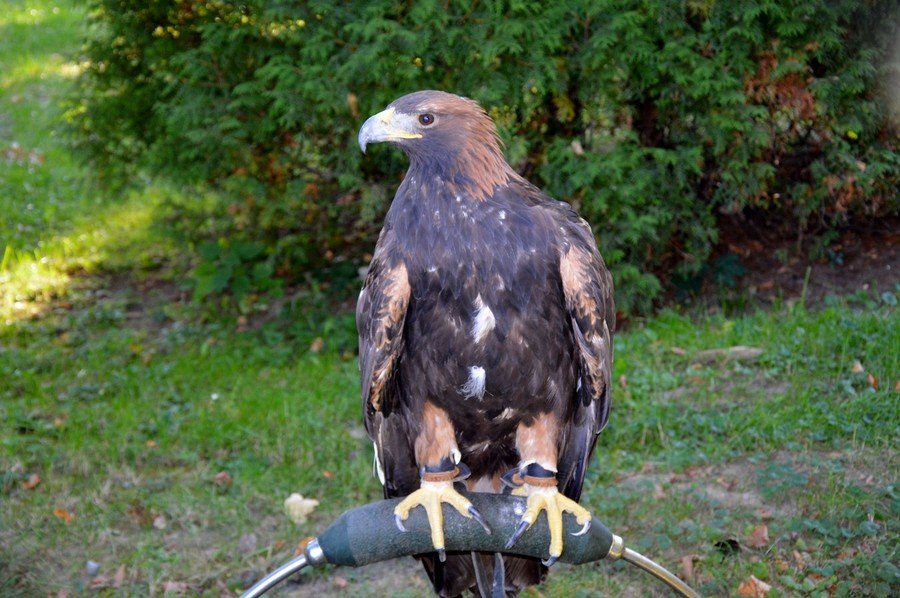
{"points": [[121, 405]]}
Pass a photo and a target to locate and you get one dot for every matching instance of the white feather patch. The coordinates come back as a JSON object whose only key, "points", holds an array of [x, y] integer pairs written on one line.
{"points": [[484, 320], [474, 386], [379, 470]]}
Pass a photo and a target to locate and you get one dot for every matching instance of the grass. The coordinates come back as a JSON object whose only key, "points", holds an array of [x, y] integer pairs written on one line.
{"points": [[121, 408]]}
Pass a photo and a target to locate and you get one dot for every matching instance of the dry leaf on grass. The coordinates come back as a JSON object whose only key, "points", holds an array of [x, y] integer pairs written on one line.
{"points": [[32, 482], [298, 508], [301, 547], [175, 587], [223, 479], [759, 538], [119, 578], [340, 583], [687, 566], [753, 588], [873, 381], [857, 367], [64, 515], [159, 522]]}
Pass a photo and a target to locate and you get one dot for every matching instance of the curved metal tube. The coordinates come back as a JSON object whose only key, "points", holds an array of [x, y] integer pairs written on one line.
{"points": [[367, 535], [276, 577], [659, 572]]}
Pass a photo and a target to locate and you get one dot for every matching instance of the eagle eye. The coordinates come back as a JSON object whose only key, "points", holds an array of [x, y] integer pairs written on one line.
{"points": [[426, 119]]}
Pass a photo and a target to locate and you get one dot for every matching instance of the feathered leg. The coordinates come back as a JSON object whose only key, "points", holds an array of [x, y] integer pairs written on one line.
{"points": [[438, 457], [537, 446]]}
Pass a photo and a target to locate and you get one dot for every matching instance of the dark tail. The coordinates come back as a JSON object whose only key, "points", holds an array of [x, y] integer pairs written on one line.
{"points": [[481, 573]]}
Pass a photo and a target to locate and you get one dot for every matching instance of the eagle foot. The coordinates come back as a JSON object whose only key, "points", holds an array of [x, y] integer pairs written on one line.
{"points": [[544, 497], [430, 496]]}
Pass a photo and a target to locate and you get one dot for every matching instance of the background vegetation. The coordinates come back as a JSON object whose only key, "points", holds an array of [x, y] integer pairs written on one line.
{"points": [[659, 119], [147, 444]]}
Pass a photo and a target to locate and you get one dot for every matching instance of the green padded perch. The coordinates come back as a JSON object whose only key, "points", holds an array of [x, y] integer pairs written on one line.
{"points": [[367, 534]]}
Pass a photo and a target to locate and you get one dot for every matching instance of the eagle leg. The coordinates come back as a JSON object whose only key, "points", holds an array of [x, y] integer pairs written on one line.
{"points": [[537, 475], [438, 457], [437, 488]]}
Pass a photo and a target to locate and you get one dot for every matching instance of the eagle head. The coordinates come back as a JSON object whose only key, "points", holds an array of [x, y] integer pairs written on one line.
{"points": [[432, 124]]}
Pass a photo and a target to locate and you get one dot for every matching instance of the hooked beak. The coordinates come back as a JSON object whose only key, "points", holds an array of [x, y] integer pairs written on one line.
{"points": [[388, 125]]}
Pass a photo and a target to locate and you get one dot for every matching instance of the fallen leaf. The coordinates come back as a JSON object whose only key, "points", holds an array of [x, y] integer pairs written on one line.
{"points": [[623, 381], [64, 515], [119, 578], [317, 345], [150, 443], [678, 351], [798, 558], [32, 482], [759, 538], [340, 583], [175, 587], [687, 566], [857, 367], [223, 479], [301, 546], [781, 565], [753, 588], [99, 582], [897, 386], [873, 381], [728, 485], [159, 522], [140, 515], [658, 492], [298, 508], [328, 475], [278, 545]]}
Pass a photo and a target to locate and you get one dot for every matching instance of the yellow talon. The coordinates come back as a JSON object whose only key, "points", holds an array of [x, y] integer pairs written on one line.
{"points": [[430, 496], [542, 498]]}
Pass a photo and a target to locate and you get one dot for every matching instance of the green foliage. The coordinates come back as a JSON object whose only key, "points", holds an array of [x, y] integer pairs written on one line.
{"points": [[231, 265], [654, 117]]}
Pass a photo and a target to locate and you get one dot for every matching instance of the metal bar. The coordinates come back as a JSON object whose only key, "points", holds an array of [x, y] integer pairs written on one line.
{"points": [[660, 572], [277, 576]]}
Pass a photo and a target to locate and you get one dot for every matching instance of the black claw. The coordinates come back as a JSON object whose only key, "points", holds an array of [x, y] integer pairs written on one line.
{"points": [[442, 555], [480, 519], [519, 531], [549, 562], [399, 523]]}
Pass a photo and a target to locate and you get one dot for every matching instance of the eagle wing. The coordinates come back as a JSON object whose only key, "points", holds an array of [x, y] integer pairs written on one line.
{"points": [[380, 318], [587, 288]]}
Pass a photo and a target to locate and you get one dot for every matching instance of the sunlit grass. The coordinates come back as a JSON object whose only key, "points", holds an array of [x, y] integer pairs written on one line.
{"points": [[29, 279]]}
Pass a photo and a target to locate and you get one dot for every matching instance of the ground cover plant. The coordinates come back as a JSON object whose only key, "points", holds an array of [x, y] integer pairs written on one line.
{"points": [[146, 446]]}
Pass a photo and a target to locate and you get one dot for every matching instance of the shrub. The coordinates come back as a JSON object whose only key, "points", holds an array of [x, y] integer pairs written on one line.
{"points": [[654, 117]]}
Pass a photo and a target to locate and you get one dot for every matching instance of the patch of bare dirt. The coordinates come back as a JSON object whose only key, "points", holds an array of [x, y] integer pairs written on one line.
{"points": [[379, 579], [857, 260]]}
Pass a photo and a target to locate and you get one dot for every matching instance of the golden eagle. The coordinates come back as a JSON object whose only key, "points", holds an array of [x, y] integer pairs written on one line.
{"points": [[485, 337]]}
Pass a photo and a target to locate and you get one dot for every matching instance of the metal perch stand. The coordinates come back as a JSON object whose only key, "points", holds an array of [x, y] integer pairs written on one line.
{"points": [[367, 535]]}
